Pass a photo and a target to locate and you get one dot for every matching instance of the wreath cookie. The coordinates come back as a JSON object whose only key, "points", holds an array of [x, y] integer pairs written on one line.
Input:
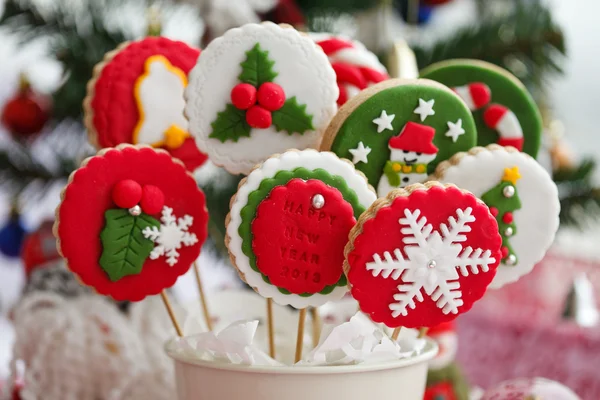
{"points": [[422, 255], [520, 194], [504, 111], [259, 90], [397, 131], [136, 96], [289, 223], [131, 221]]}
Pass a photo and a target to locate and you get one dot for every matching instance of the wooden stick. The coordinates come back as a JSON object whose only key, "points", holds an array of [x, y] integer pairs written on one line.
{"points": [[396, 333], [207, 318], [271, 328], [165, 298], [316, 326], [423, 332], [300, 337]]}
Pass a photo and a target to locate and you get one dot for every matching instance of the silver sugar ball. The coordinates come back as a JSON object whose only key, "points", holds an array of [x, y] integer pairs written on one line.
{"points": [[508, 231], [431, 264], [511, 259], [135, 211], [318, 201], [508, 191]]}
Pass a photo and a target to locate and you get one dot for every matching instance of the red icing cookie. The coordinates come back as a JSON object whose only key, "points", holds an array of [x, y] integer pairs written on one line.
{"points": [[300, 229], [129, 254], [136, 96], [422, 255]]}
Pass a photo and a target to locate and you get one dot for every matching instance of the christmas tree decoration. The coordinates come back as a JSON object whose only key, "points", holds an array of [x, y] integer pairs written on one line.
{"points": [[530, 389], [149, 98], [112, 232], [356, 67], [521, 196], [410, 126], [428, 251], [27, 112], [12, 235], [503, 109], [288, 106]]}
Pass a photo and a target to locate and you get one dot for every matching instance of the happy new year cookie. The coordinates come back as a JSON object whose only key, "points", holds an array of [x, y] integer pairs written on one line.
{"points": [[422, 255], [131, 221], [289, 223], [520, 194], [136, 96], [259, 90], [356, 68], [397, 131], [503, 109]]}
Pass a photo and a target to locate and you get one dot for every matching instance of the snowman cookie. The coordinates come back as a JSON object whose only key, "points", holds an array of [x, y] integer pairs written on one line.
{"points": [[136, 96], [422, 255], [289, 222], [355, 66], [504, 111], [397, 131], [259, 90], [522, 197], [131, 221]]}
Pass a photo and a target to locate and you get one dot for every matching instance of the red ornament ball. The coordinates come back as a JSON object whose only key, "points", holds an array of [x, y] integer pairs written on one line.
{"points": [[243, 96], [127, 193], [504, 251], [153, 199], [494, 211], [271, 96], [258, 117], [507, 218], [26, 113]]}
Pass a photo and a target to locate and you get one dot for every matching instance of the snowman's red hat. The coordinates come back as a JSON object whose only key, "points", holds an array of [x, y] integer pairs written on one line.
{"points": [[444, 327], [415, 137]]}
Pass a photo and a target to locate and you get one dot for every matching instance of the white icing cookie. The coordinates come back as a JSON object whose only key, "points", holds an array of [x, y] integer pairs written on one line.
{"points": [[259, 90], [520, 194], [313, 201]]}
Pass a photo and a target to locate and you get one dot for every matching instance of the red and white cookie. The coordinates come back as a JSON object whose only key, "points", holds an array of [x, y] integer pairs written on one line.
{"points": [[289, 223], [136, 96], [259, 90], [355, 66], [422, 255], [131, 221]]}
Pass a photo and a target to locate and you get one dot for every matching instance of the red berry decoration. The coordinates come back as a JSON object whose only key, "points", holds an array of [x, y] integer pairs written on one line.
{"points": [[27, 112], [271, 96], [494, 211], [153, 199], [258, 117], [127, 193], [504, 251], [507, 218], [243, 96]]}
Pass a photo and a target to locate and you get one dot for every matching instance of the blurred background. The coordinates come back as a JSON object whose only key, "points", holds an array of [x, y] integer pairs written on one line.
{"points": [[48, 49]]}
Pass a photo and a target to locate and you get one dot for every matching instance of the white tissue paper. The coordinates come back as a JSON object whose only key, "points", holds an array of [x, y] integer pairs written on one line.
{"points": [[233, 344], [360, 341]]}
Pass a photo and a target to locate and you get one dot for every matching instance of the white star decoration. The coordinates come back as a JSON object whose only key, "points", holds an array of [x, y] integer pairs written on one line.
{"points": [[360, 153], [384, 121], [455, 129], [425, 109]]}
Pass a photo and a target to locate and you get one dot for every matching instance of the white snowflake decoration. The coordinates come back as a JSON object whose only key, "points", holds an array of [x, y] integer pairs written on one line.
{"points": [[433, 262], [173, 233]]}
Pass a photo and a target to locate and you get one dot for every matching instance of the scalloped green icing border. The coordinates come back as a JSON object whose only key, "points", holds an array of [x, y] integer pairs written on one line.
{"points": [[248, 212]]}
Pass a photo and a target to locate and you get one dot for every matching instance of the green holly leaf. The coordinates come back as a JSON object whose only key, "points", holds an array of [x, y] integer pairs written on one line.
{"points": [[258, 67], [125, 248], [292, 117], [230, 125]]}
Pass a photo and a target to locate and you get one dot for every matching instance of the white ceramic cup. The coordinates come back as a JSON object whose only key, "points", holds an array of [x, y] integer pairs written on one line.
{"points": [[399, 380]]}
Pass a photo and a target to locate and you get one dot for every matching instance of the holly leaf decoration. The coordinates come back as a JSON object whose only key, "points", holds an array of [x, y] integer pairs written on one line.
{"points": [[292, 117], [125, 249], [230, 125], [258, 67]]}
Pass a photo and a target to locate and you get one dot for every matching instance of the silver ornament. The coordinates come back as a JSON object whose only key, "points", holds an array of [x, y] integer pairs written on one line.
{"points": [[431, 264], [508, 191], [508, 231], [318, 201], [135, 211], [511, 259]]}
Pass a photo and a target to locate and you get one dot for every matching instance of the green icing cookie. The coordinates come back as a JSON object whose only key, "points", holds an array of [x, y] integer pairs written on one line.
{"points": [[505, 91], [434, 122], [248, 212]]}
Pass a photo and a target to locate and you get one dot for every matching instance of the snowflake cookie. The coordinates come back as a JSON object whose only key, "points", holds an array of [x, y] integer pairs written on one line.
{"points": [[504, 111], [289, 223], [259, 90], [397, 131], [422, 255], [136, 96], [520, 194], [131, 221]]}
